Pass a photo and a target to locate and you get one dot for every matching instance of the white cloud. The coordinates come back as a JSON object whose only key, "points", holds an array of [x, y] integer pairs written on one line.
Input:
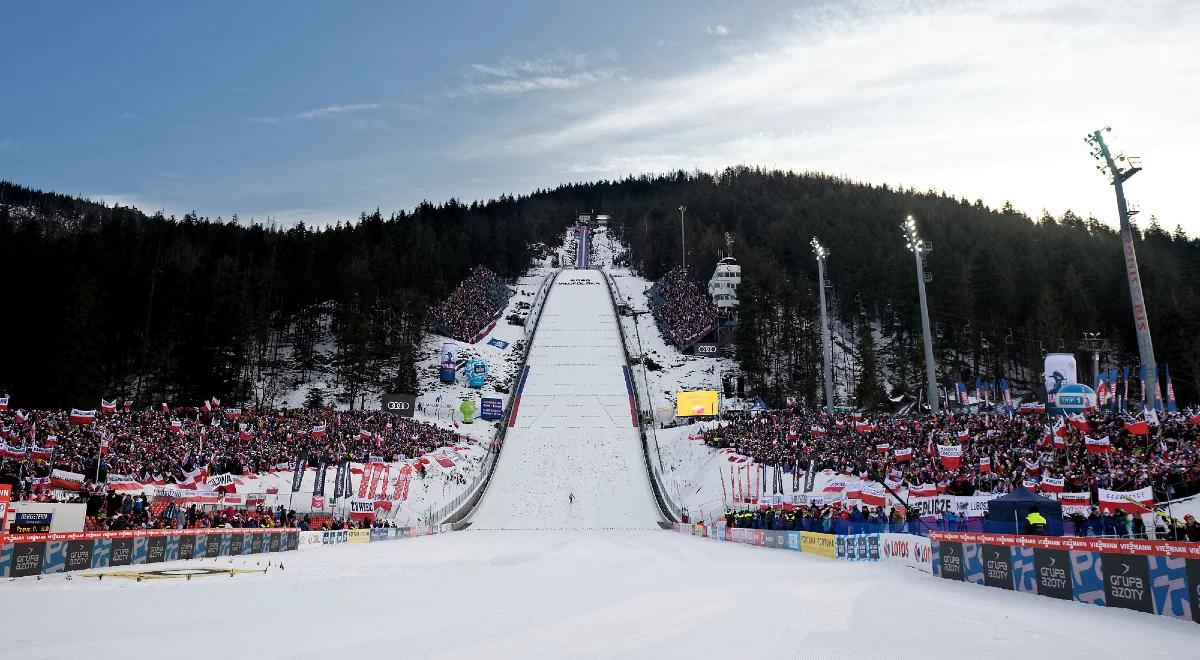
{"points": [[983, 100], [329, 111], [551, 72], [717, 30]]}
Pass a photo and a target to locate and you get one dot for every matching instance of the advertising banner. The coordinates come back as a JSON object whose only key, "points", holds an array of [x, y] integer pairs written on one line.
{"points": [[908, 549], [319, 480], [404, 405], [78, 555], [490, 408], [691, 404], [449, 359], [1060, 369], [27, 559], [298, 470], [997, 566], [360, 536], [818, 544]]}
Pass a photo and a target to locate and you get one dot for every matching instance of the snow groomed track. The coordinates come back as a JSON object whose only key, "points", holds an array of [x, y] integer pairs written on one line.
{"points": [[573, 428]]}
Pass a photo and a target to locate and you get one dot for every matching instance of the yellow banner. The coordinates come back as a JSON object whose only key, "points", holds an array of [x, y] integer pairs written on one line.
{"points": [[689, 404], [818, 544], [360, 536]]}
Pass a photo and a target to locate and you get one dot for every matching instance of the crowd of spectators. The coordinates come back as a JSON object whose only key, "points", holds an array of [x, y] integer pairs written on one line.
{"points": [[681, 308], [1017, 450], [163, 448], [471, 306]]}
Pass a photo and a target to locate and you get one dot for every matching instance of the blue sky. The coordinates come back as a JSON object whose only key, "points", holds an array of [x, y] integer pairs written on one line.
{"points": [[304, 111]]}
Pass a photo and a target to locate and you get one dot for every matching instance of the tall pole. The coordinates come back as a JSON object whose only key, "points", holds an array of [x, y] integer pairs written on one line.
{"points": [[1141, 320], [920, 249], [682, 239], [1093, 342], [826, 340]]}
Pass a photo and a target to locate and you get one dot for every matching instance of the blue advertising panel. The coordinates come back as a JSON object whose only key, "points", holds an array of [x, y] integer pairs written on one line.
{"points": [[491, 409]]}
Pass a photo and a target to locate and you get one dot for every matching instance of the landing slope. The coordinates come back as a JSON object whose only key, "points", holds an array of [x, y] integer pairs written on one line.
{"points": [[573, 430]]}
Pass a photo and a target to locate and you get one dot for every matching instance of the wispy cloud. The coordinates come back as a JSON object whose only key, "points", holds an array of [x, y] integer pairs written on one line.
{"points": [[559, 71], [717, 30], [329, 111], [993, 106]]}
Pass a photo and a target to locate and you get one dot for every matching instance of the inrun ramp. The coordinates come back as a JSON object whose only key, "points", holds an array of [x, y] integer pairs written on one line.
{"points": [[573, 428]]}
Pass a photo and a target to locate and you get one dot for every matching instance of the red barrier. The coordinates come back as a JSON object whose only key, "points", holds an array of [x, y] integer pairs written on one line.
{"points": [[1185, 549]]}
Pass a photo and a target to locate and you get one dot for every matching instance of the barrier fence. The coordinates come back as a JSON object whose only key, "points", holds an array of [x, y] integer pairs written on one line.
{"points": [[313, 540], [35, 554], [908, 549], [1156, 577]]}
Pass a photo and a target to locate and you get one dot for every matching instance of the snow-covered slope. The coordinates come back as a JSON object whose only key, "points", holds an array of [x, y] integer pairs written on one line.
{"points": [[574, 430]]}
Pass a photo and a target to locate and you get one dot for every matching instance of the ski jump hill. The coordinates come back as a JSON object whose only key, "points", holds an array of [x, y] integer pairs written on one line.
{"points": [[573, 428]]}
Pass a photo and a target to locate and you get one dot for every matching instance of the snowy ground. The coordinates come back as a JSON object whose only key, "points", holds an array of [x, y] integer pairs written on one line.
{"points": [[568, 594], [574, 431]]}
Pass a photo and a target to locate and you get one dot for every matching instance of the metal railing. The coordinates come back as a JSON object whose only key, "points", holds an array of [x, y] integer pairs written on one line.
{"points": [[457, 508], [665, 503]]}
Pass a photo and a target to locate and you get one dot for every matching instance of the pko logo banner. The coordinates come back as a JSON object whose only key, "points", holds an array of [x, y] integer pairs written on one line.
{"points": [[399, 404]]}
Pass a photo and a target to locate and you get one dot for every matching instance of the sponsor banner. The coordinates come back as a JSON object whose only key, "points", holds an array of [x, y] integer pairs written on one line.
{"points": [[950, 560], [404, 405], [1085, 544], [490, 408], [362, 507], [27, 559], [298, 470], [818, 544], [187, 546], [156, 549], [997, 566], [908, 549], [319, 482], [78, 555], [1052, 569], [1127, 582]]}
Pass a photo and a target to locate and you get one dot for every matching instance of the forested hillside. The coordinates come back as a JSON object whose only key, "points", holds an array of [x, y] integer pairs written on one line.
{"points": [[110, 302], [1005, 288]]}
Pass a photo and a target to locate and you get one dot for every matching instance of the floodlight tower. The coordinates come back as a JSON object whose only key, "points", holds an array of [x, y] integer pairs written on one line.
{"points": [[1119, 169], [920, 249], [826, 340], [682, 239]]}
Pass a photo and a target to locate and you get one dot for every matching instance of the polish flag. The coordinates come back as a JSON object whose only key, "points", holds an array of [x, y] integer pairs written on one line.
{"points": [[985, 464], [1052, 485], [52, 441], [318, 431], [177, 426], [863, 427], [963, 435], [1138, 428], [128, 406], [233, 414], [951, 456], [108, 407], [105, 442], [819, 431], [873, 494], [1125, 499], [39, 453], [1080, 422], [883, 447], [207, 407], [924, 490], [22, 417], [1032, 408], [364, 434], [244, 432], [82, 417], [1075, 499], [1097, 445], [214, 402], [166, 409], [4, 403], [197, 476], [904, 455], [1060, 428]]}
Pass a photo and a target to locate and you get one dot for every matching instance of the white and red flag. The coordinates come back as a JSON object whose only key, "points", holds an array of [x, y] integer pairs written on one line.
{"points": [[819, 431], [81, 417], [4, 403], [108, 407], [318, 431], [1080, 422], [1097, 445], [22, 417], [904, 455], [1140, 427], [1126, 500], [128, 406], [985, 464], [1053, 485], [951, 456]]}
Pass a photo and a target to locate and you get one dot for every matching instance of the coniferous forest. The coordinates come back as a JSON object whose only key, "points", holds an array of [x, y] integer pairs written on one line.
{"points": [[111, 302]]}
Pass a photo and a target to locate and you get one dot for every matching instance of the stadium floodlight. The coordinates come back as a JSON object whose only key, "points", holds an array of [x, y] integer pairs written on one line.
{"points": [[1118, 174], [682, 239], [912, 240], [826, 341]]}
